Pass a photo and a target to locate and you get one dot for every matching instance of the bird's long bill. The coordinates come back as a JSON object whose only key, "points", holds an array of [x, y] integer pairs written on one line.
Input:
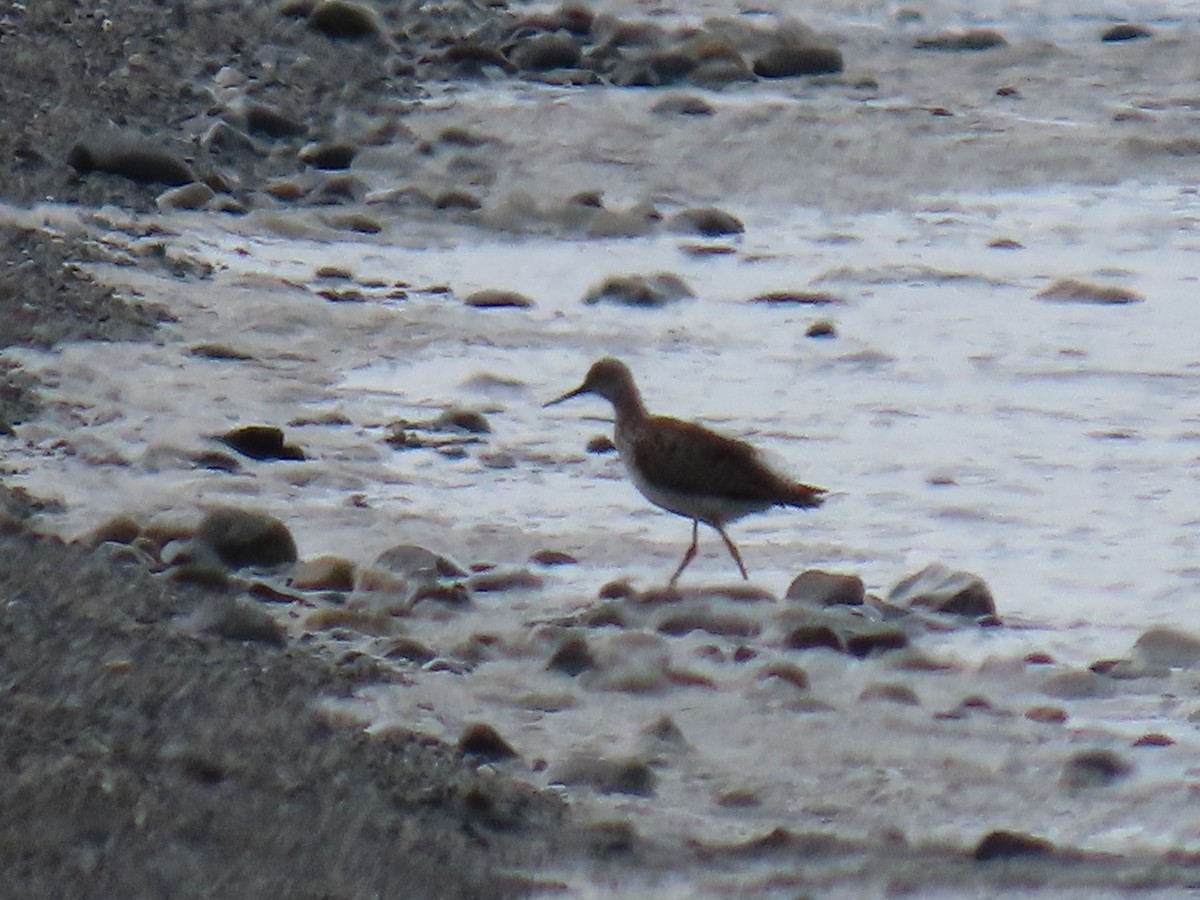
{"points": [[567, 396]]}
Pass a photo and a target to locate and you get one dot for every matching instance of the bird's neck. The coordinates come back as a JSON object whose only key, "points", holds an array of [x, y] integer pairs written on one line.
{"points": [[630, 410]]}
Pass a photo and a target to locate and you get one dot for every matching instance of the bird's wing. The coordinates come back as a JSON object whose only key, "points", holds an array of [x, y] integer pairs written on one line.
{"points": [[686, 457]]}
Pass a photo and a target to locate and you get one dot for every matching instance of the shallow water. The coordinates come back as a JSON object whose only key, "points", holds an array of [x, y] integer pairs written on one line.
{"points": [[1051, 448]]}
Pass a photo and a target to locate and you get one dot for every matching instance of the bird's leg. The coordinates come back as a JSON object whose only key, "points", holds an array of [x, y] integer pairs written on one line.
{"points": [[737, 557], [689, 556]]}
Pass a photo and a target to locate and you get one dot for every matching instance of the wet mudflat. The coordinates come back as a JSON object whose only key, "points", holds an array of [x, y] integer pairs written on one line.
{"points": [[951, 285]]}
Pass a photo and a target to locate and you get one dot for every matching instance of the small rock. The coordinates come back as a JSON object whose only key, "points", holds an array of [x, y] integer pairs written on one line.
{"points": [[826, 589], [457, 199], [640, 290], [872, 641], [946, 591], [787, 673], [411, 561], [1069, 290], [496, 298], [822, 328], [122, 529], [324, 573], [189, 197], [572, 657], [972, 39], [1076, 684], [238, 621], [484, 741], [790, 60], [706, 221], [797, 298], [132, 158], [358, 620], [807, 637], [1154, 739], [1010, 845], [683, 105], [243, 538], [260, 442], [1094, 768], [609, 775], [601, 443], [343, 19], [329, 155], [553, 558], [271, 123], [1125, 31], [505, 580], [465, 421], [409, 649], [546, 51], [1048, 715], [1167, 646]]}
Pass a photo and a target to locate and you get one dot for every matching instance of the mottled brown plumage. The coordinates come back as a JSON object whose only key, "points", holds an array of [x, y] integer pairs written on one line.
{"points": [[687, 469]]}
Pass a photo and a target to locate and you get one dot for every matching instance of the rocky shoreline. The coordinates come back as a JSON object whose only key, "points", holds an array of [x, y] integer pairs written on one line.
{"points": [[181, 707]]}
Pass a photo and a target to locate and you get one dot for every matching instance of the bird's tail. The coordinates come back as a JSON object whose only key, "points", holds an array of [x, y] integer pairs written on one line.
{"points": [[806, 496]]}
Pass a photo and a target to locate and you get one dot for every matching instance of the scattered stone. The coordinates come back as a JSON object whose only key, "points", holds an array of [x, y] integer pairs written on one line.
{"points": [[358, 620], [1069, 290], [553, 558], [1076, 684], [1094, 768], [271, 123], [484, 741], [329, 155], [786, 672], [343, 19], [685, 618], [739, 798], [241, 538], [133, 158], [505, 580], [457, 199], [1049, 715], [237, 621], [683, 105], [890, 693], [261, 442], [822, 328], [972, 39], [411, 561], [791, 60], [572, 657], [546, 51], [466, 421], [799, 298], [807, 637], [1167, 646], [707, 221], [1005, 244], [324, 573], [497, 298], [1154, 739], [876, 640], [1125, 31], [826, 589], [219, 352], [122, 529], [408, 649], [601, 443], [943, 590], [188, 197], [609, 775], [640, 290], [1010, 845]]}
